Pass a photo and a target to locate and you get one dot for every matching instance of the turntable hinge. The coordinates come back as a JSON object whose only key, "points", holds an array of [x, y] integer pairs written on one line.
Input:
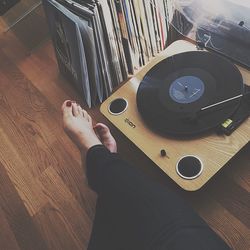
{"points": [[200, 45]]}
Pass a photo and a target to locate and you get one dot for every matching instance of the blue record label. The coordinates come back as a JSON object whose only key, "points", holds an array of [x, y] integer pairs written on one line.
{"points": [[186, 89]]}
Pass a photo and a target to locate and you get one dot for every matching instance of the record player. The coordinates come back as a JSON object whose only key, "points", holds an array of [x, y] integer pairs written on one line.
{"points": [[187, 110]]}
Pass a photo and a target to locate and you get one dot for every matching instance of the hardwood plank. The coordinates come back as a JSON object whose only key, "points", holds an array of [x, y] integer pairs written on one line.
{"points": [[7, 237], [223, 222], [15, 50], [61, 199], [28, 188], [27, 21], [75, 180], [20, 222], [238, 169], [54, 229], [235, 199]]}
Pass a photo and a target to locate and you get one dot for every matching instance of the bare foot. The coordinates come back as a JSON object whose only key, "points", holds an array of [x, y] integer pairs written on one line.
{"points": [[106, 137], [78, 125]]}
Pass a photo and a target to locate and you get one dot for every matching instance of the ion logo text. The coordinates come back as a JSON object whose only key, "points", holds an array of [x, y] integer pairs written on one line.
{"points": [[131, 124]]}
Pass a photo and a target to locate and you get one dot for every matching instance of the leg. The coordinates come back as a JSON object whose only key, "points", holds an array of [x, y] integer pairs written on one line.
{"points": [[149, 215], [78, 125], [103, 233], [141, 213]]}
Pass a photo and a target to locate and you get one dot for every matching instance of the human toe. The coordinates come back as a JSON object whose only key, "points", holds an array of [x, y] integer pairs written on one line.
{"points": [[67, 108], [75, 109], [103, 132], [102, 129]]}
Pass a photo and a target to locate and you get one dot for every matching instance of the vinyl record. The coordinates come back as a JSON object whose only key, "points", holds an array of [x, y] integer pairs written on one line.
{"points": [[189, 93]]}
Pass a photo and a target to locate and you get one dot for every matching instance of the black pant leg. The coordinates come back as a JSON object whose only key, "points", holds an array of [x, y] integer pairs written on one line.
{"points": [[145, 215], [103, 234]]}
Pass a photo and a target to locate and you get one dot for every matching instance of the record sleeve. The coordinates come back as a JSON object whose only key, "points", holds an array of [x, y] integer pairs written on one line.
{"points": [[102, 52], [149, 20], [87, 35], [141, 37], [118, 39], [132, 35], [159, 24], [125, 36], [145, 29], [155, 26], [64, 27], [111, 42], [162, 16], [137, 35]]}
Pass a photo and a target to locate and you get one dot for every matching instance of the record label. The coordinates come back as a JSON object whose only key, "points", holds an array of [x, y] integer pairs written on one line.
{"points": [[186, 89]]}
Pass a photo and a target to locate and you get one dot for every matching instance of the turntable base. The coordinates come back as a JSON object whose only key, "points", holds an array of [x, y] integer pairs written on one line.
{"points": [[189, 162]]}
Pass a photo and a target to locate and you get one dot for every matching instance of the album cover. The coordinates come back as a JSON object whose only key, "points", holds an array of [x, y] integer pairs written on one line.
{"points": [[66, 36], [119, 37], [132, 35], [140, 37], [102, 52], [162, 16], [145, 30], [88, 39], [125, 36], [149, 20], [113, 46], [86, 11]]}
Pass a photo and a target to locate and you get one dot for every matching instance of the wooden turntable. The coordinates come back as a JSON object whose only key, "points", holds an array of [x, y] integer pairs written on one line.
{"points": [[189, 162]]}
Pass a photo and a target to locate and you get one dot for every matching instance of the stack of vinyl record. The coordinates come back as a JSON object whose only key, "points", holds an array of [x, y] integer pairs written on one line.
{"points": [[99, 43]]}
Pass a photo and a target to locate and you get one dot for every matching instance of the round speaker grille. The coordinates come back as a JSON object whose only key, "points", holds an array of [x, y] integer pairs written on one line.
{"points": [[189, 167], [118, 106]]}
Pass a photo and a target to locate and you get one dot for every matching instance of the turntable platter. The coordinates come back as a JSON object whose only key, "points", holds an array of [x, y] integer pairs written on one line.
{"points": [[173, 95]]}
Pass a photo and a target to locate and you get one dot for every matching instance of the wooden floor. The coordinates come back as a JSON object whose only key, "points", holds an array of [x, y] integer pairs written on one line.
{"points": [[45, 202]]}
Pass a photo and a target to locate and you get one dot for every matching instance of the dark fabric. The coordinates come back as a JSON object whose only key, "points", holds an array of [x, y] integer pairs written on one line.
{"points": [[135, 213]]}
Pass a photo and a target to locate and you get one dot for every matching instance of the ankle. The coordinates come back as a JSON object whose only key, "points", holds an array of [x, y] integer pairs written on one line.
{"points": [[86, 145], [85, 148]]}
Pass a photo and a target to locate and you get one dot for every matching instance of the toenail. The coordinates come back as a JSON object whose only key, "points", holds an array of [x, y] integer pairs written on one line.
{"points": [[68, 103]]}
